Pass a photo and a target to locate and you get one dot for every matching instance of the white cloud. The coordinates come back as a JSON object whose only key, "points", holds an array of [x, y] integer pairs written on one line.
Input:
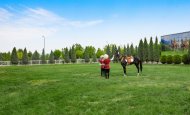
{"points": [[4, 15], [18, 27], [40, 17], [85, 24]]}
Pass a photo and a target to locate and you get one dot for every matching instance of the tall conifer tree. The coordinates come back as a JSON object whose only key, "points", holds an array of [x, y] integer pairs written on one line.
{"points": [[145, 50], [36, 56], [132, 50], [128, 50], [141, 50], [25, 57], [94, 59], [86, 55], [124, 50], [66, 57], [156, 51], [43, 57], [14, 57], [51, 57], [151, 51], [108, 51], [73, 55]]}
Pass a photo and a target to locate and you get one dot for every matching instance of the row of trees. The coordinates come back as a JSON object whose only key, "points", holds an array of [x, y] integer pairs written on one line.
{"points": [[147, 51]]}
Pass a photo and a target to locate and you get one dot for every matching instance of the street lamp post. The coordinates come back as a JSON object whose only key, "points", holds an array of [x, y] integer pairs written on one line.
{"points": [[44, 42]]}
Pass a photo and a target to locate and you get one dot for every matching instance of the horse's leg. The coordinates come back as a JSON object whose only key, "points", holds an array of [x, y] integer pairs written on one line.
{"points": [[124, 70], [137, 66]]}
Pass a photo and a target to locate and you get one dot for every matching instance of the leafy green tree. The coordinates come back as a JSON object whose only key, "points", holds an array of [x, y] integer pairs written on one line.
{"points": [[25, 57], [145, 50], [91, 50], [94, 59], [51, 57], [43, 57], [79, 51], [6, 56], [66, 57], [141, 50], [47, 56], [79, 54], [99, 53], [78, 47], [73, 55], [36, 56], [14, 57], [57, 54], [86, 55], [1, 57], [151, 51], [20, 54], [30, 55]]}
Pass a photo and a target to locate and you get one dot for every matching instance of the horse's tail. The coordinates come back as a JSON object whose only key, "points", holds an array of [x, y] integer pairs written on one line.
{"points": [[141, 65]]}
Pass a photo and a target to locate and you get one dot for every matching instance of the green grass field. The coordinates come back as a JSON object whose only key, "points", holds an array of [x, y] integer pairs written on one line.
{"points": [[78, 89]]}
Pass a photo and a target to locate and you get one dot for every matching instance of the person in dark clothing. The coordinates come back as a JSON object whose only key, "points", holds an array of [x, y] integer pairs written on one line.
{"points": [[101, 61]]}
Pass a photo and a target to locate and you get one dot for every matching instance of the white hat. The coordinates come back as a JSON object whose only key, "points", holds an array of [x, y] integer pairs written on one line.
{"points": [[106, 56], [102, 56]]}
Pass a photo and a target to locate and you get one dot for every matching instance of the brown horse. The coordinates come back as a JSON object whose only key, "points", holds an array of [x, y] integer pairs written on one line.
{"points": [[129, 60], [184, 44], [174, 44]]}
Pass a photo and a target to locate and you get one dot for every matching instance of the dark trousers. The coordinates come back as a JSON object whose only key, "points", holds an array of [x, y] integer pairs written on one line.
{"points": [[107, 73], [102, 72]]}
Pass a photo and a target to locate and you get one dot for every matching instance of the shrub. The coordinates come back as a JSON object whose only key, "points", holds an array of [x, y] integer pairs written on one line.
{"points": [[163, 59], [176, 59], [185, 59], [169, 59]]}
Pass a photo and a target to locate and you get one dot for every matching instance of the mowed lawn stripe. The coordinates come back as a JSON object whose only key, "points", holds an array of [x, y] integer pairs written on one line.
{"points": [[79, 89]]}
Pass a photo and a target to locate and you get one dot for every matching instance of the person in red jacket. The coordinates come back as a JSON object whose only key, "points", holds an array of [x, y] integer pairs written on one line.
{"points": [[101, 61], [107, 61]]}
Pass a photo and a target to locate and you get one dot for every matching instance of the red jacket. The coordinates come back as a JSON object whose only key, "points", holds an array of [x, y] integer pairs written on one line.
{"points": [[102, 63], [107, 63]]}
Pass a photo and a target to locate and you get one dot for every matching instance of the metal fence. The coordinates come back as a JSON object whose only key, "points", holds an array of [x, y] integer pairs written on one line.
{"points": [[39, 62]]}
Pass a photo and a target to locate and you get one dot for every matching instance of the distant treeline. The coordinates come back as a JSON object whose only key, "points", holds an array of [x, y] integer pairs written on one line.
{"points": [[147, 51]]}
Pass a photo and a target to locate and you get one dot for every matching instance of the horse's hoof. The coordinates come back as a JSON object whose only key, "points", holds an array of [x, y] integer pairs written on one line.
{"points": [[124, 75], [137, 74]]}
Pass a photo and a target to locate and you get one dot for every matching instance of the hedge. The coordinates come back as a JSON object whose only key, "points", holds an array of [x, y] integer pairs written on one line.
{"points": [[176, 59]]}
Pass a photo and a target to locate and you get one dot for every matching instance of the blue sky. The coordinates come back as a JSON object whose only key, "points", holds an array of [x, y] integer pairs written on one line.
{"points": [[88, 22]]}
